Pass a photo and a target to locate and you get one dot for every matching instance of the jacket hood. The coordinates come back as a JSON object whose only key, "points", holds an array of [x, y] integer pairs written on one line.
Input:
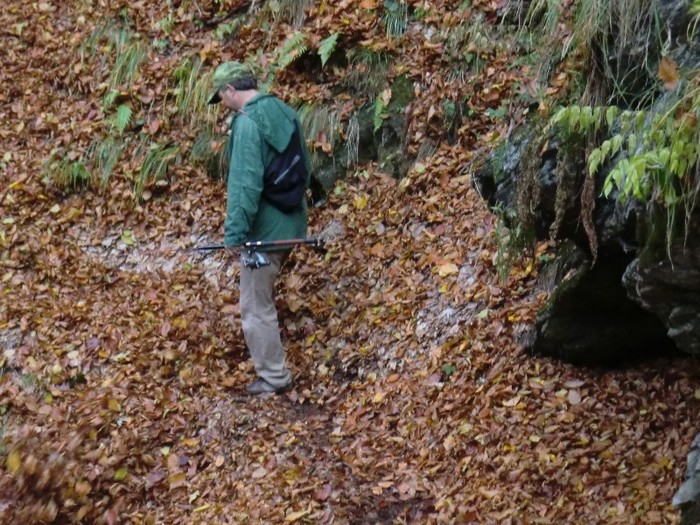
{"points": [[274, 119]]}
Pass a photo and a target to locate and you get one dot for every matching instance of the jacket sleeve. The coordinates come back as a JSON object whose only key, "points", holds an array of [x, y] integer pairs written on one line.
{"points": [[245, 180]]}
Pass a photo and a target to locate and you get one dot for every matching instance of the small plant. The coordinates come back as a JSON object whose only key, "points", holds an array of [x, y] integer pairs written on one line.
{"points": [[126, 63], [224, 30], [210, 150], [368, 71], [68, 173], [511, 242], [129, 52], [122, 118], [379, 112], [291, 11], [155, 166], [655, 154], [293, 48], [166, 25], [468, 45], [353, 139], [105, 154], [326, 47], [321, 124], [395, 17], [191, 92]]}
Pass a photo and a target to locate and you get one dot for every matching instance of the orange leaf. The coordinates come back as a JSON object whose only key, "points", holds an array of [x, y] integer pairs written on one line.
{"points": [[668, 73]]}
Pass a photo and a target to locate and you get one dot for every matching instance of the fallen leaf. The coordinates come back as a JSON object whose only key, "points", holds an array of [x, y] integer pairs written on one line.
{"points": [[668, 73]]}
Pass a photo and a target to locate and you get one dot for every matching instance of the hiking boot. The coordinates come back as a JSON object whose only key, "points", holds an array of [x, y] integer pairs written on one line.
{"points": [[261, 386]]}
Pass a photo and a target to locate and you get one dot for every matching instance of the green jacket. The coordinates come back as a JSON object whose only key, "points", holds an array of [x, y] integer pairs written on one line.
{"points": [[263, 127]]}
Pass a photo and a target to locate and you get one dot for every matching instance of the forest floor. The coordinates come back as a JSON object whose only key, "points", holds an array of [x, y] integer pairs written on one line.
{"points": [[122, 388]]}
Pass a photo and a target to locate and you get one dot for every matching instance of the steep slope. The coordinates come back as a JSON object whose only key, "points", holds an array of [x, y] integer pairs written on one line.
{"points": [[123, 371]]}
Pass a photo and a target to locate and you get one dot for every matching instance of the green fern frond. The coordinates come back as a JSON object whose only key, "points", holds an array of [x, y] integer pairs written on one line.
{"points": [[326, 47], [122, 119], [110, 98], [379, 107], [293, 48]]}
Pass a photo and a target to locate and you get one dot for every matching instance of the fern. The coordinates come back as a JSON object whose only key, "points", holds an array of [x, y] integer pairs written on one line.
{"points": [[327, 46], [379, 108], [294, 47], [122, 119], [110, 98]]}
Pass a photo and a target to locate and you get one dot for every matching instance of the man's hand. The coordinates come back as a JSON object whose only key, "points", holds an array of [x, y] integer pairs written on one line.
{"points": [[233, 251]]}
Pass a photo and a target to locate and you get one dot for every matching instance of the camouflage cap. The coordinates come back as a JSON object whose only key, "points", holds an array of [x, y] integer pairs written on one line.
{"points": [[225, 74]]}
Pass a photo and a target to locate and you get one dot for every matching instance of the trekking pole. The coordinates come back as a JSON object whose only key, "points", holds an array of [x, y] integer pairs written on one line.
{"points": [[252, 245], [255, 259]]}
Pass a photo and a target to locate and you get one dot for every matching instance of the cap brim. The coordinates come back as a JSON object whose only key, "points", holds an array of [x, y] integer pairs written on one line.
{"points": [[215, 98]]}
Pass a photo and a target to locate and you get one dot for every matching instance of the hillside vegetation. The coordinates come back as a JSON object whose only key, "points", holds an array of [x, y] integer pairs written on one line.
{"points": [[123, 368]]}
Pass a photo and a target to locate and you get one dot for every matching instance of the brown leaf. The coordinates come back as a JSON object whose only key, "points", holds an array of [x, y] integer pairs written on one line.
{"points": [[668, 73]]}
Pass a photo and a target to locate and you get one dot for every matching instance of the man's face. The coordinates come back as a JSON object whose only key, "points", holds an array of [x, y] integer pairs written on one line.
{"points": [[228, 97]]}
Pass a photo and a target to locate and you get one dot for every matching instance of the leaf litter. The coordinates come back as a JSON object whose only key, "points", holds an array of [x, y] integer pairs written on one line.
{"points": [[122, 387]]}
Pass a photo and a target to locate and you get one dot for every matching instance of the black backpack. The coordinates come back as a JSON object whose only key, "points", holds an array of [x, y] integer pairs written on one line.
{"points": [[284, 181]]}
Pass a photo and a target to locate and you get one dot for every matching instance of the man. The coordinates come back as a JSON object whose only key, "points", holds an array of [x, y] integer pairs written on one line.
{"points": [[262, 127]]}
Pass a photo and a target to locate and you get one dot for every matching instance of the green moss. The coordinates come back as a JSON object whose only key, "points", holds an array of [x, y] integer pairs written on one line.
{"points": [[401, 94]]}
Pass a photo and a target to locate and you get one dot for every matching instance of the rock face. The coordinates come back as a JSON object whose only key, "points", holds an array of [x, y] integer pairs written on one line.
{"points": [[688, 495], [641, 289], [366, 143], [668, 284], [618, 286]]}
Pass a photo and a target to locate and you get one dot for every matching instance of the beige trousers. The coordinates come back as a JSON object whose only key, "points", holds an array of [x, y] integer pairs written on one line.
{"points": [[259, 319]]}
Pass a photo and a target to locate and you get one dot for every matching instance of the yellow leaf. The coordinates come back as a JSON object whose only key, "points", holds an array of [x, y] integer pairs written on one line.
{"points": [[114, 405], [120, 474], [448, 269], [179, 322], [360, 202], [294, 516], [668, 73], [177, 480], [14, 461], [534, 438]]}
